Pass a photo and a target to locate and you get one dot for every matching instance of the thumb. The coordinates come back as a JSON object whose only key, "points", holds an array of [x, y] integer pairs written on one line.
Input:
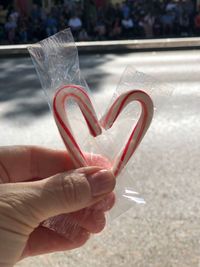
{"points": [[63, 193]]}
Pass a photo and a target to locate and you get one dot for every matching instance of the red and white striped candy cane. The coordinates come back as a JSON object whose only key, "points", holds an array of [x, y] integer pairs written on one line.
{"points": [[78, 94], [140, 129]]}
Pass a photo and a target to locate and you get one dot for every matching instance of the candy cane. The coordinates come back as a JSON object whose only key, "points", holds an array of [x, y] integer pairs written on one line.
{"points": [[78, 94], [140, 129]]}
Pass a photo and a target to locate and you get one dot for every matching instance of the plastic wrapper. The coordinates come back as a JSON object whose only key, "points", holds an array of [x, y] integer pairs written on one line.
{"points": [[57, 64]]}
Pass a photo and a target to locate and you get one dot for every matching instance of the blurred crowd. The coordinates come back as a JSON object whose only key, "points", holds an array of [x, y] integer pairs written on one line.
{"points": [[101, 20]]}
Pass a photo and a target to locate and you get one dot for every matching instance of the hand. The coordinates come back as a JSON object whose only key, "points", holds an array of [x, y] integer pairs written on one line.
{"points": [[36, 184]]}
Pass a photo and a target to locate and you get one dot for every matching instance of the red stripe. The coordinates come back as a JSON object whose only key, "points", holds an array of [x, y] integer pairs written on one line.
{"points": [[121, 106], [68, 132], [92, 131], [89, 111], [130, 139], [76, 87], [69, 135], [132, 134]]}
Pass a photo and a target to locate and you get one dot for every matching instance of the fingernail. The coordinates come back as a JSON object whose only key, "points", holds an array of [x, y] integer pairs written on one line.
{"points": [[101, 182]]}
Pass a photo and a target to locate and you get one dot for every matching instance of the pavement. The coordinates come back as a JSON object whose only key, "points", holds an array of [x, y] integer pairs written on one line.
{"points": [[165, 232]]}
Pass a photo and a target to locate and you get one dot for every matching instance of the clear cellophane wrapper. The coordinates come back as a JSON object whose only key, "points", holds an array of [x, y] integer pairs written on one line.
{"points": [[57, 64]]}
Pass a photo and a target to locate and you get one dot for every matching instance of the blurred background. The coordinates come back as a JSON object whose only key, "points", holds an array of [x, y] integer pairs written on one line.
{"points": [[24, 21]]}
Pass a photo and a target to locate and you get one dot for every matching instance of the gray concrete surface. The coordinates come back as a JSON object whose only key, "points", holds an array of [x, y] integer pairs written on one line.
{"points": [[165, 170]]}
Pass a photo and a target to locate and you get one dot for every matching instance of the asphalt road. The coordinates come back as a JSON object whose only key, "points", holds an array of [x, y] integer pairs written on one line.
{"points": [[165, 232]]}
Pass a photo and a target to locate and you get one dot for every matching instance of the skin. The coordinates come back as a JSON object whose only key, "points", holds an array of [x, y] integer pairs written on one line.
{"points": [[25, 233]]}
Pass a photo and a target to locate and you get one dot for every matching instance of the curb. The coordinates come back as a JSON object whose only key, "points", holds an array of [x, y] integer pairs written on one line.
{"points": [[115, 46]]}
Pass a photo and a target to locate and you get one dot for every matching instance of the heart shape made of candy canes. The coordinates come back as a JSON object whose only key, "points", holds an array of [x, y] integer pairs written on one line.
{"points": [[79, 95]]}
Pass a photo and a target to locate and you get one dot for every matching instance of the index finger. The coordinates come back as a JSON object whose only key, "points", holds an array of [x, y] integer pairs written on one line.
{"points": [[24, 163]]}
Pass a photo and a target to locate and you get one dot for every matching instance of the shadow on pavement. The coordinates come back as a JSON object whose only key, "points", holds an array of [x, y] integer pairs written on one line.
{"points": [[21, 96]]}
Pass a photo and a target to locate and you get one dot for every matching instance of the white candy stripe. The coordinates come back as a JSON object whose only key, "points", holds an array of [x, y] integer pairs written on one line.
{"points": [[78, 94], [140, 129]]}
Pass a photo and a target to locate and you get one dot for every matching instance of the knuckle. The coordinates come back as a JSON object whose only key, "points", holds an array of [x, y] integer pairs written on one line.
{"points": [[75, 187], [69, 189]]}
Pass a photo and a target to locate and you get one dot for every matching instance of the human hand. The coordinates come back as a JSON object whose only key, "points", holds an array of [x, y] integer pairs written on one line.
{"points": [[36, 184]]}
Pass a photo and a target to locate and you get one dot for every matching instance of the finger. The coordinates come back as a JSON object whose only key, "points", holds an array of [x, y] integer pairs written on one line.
{"points": [[98, 160], [91, 218], [43, 240], [106, 203], [24, 163], [62, 193], [21, 163]]}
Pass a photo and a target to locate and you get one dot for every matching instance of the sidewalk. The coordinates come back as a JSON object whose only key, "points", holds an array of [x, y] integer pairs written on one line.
{"points": [[115, 46]]}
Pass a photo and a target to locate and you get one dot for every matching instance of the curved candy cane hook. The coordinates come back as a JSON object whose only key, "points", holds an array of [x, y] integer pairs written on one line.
{"points": [[78, 94], [140, 129]]}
